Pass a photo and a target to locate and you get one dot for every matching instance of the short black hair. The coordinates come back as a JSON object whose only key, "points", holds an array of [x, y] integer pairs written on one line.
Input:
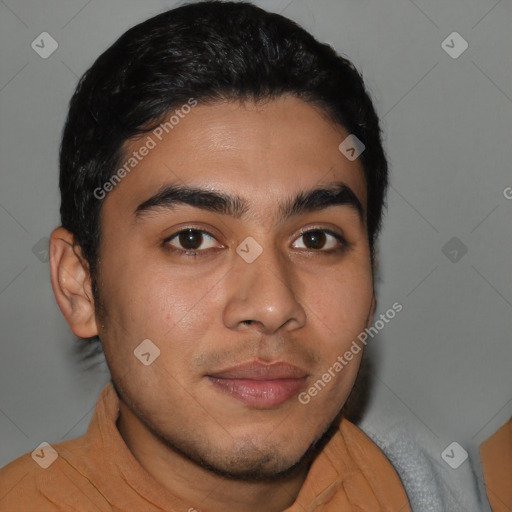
{"points": [[210, 51]]}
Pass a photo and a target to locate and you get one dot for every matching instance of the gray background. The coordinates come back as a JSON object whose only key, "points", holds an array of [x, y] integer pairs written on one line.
{"points": [[443, 364]]}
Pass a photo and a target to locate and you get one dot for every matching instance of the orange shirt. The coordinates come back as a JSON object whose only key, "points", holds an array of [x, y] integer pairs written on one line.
{"points": [[97, 472], [496, 456]]}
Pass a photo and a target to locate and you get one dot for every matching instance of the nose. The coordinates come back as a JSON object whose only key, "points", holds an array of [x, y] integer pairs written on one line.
{"points": [[262, 294]]}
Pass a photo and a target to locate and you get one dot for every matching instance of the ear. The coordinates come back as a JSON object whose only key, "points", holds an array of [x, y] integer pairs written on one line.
{"points": [[373, 306], [71, 283]]}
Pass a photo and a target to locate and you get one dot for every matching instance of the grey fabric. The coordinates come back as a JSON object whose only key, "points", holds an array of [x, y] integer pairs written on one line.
{"points": [[430, 483]]}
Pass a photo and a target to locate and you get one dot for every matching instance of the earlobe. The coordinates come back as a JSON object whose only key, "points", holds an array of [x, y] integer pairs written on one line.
{"points": [[71, 283]]}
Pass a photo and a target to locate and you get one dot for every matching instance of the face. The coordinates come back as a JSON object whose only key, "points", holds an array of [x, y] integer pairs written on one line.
{"points": [[249, 301]]}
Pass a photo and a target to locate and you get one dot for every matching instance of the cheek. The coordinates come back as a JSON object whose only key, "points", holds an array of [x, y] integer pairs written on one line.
{"points": [[152, 300], [339, 305], [342, 302], [145, 303]]}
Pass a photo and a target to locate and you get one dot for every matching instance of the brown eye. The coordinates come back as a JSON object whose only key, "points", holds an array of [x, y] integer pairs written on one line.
{"points": [[314, 239], [191, 240], [320, 239]]}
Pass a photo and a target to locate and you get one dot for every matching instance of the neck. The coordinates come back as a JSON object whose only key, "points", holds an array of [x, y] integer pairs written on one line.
{"points": [[198, 486]]}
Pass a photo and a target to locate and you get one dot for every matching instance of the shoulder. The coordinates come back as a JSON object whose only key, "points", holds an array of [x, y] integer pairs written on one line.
{"points": [[496, 460], [368, 456], [370, 464], [45, 480]]}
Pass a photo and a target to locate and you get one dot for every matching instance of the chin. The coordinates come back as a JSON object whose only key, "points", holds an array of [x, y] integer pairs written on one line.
{"points": [[251, 465], [246, 461]]}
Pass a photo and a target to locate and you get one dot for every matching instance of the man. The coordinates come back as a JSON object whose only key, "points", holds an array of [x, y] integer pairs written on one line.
{"points": [[222, 180]]}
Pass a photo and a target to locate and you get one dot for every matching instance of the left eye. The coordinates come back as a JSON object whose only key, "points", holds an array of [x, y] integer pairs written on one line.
{"points": [[192, 239], [317, 239]]}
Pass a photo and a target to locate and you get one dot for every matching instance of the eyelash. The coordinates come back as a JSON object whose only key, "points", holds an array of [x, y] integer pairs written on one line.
{"points": [[204, 252]]}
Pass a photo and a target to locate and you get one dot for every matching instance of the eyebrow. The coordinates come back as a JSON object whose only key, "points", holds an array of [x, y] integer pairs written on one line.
{"points": [[169, 196]]}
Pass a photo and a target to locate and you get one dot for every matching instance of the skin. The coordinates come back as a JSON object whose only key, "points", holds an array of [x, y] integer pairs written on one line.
{"points": [[305, 305]]}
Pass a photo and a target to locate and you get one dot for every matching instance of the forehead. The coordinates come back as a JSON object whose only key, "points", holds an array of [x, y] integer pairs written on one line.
{"points": [[262, 152]]}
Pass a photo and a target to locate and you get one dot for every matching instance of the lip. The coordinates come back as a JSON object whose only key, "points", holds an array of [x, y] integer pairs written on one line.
{"points": [[260, 385]]}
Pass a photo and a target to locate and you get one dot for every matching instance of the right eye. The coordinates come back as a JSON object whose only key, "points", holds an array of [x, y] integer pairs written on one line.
{"points": [[190, 241]]}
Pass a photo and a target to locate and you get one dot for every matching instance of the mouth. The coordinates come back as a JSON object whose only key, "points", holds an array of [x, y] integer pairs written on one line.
{"points": [[260, 385]]}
